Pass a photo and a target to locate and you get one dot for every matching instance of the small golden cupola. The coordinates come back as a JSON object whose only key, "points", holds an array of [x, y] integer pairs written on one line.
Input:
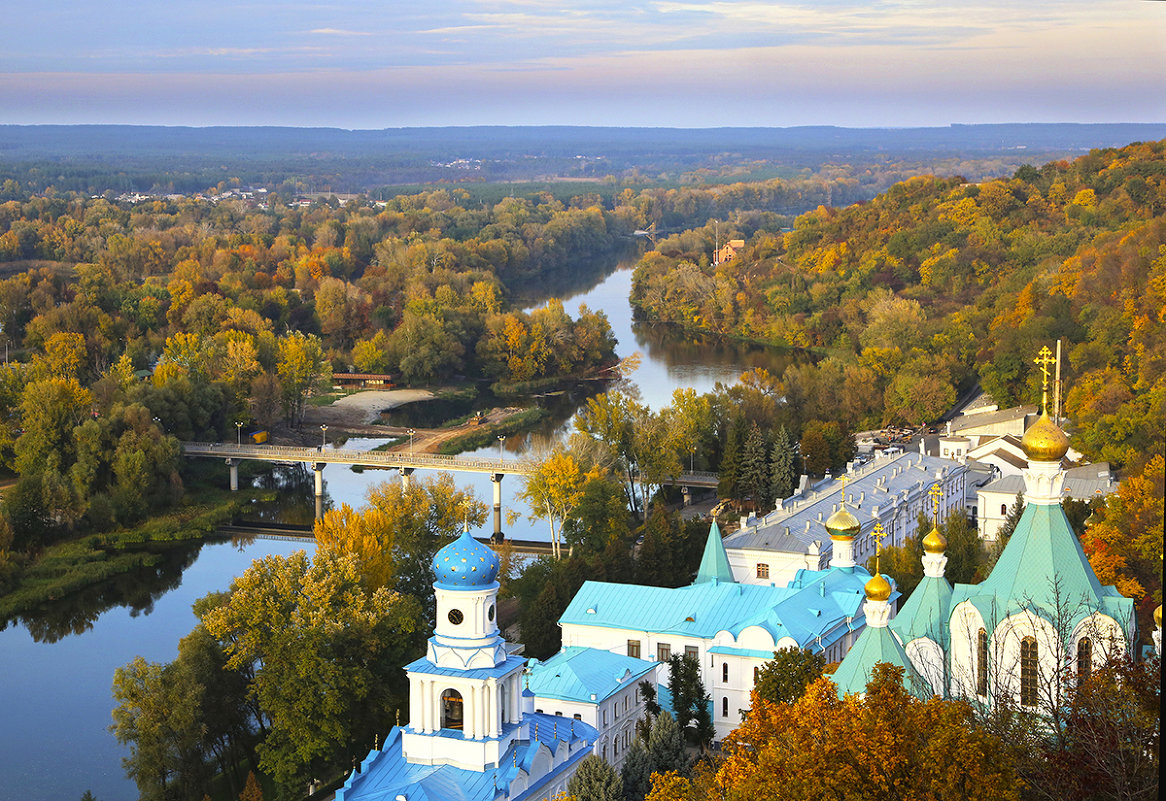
{"points": [[843, 528], [878, 588], [1044, 441], [842, 524], [934, 541]]}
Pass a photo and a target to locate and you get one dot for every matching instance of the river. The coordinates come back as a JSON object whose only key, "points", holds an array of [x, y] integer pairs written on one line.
{"points": [[55, 698]]}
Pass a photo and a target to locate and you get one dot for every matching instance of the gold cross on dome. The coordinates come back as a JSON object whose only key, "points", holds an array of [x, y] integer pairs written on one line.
{"points": [[936, 495], [1043, 360], [878, 533], [843, 480]]}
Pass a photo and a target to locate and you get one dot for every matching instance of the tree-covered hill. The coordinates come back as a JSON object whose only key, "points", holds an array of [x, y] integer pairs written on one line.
{"points": [[938, 283]]}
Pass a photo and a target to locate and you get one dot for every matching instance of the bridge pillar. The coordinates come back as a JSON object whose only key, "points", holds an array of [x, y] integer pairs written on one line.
{"points": [[318, 468], [496, 480], [405, 472], [686, 494], [234, 467]]}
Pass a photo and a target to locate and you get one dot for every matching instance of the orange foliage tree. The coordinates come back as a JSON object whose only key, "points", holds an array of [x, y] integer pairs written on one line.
{"points": [[884, 744], [1124, 545]]}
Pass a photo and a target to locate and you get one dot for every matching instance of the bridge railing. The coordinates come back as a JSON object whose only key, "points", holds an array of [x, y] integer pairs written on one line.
{"points": [[294, 453]]}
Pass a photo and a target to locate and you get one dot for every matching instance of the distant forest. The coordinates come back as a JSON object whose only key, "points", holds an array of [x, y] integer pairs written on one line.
{"points": [[573, 160]]}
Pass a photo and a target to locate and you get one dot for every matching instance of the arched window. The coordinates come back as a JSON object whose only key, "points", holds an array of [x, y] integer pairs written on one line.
{"points": [[451, 709], [725, 707], [756, 673], [1028, 671], [982, 663], [1084, 659], [1004, 509], [725, 672]]}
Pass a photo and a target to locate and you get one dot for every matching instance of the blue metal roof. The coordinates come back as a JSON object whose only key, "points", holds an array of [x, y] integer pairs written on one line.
{"points": [[819, 601], [423, 665], [385, 774], [578, 674]]}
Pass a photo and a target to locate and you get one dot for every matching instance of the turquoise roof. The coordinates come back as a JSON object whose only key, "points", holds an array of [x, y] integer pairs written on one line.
{"points": [[714, 564], [816, 603], [874, 646], [926, 612], [423, 665], [385, 774], [465, 563], [577, 674], [1044, 569]]}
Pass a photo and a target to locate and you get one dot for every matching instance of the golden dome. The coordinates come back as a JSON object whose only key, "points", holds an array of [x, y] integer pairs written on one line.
{"points": [[878, 588], [842, 525], [934, 542], [1044, 442], [1158, 616]]}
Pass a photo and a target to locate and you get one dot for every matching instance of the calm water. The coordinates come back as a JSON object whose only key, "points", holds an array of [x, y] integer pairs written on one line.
{"points": [[55, 697]]}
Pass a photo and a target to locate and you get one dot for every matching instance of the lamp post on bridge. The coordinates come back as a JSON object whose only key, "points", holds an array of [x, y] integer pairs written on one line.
{"points": [[501, 441], [323, 437], [411, 432], [238, 433]]}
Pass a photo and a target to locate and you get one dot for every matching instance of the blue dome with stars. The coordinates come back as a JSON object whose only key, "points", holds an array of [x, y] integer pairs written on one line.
{"points": [[465, 563]]}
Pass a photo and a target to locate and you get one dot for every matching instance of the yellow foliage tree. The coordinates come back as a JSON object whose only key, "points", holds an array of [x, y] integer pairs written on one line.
{"points": [[400, 529]]}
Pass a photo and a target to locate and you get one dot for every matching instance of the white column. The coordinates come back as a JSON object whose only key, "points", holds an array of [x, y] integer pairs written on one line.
{"points": [[414, 704], [427, 702], [490, 690]]}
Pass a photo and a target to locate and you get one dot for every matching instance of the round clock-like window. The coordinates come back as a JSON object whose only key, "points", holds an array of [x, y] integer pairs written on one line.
{"points": [[456, 616], [490, 612]]}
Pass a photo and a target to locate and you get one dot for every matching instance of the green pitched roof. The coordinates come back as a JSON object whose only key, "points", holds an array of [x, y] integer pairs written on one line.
{"points": [[1043, 568], [714, 564], [875, 645], [926, 612]]}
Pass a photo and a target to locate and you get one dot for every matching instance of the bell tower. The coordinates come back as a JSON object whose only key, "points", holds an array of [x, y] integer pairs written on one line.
{"points": [[465, 695]]}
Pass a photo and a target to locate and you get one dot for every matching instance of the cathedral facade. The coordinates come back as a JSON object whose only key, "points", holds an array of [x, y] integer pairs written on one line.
{"points": [[1039, 621]]}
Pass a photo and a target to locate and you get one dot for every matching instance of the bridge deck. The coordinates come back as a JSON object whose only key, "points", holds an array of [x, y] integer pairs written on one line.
{"points": [[393, 459]]}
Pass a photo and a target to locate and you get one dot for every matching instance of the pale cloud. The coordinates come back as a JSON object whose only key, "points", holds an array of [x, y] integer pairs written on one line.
{"points": [[338, 32], [592, 61]]}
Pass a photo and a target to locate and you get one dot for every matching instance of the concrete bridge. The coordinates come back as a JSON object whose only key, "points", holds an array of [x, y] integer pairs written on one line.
{"points": [[403, 461]]}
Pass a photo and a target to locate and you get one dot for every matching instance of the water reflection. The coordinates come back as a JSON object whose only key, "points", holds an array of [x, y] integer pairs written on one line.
{"points": [[137, 590], [290, 496], [684, 352]]}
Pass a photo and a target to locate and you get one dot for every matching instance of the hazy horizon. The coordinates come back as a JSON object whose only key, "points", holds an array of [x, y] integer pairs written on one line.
{"points": [[356, 65]]}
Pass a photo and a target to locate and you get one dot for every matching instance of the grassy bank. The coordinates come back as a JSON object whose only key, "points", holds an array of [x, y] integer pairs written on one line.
{"points": [[68, 567]]}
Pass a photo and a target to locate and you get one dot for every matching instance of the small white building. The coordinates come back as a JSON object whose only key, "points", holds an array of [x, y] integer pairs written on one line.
{"points": [[599, 688], [995, 499]]}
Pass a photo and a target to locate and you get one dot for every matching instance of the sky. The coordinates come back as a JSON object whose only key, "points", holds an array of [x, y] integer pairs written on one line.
{"points": [[674, 63]]}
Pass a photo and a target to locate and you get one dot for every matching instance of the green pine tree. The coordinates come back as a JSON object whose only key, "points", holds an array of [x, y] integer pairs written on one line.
{"points": [[637, 772], [666, 746], [783, 466], [595, 780], [755, 475]]}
